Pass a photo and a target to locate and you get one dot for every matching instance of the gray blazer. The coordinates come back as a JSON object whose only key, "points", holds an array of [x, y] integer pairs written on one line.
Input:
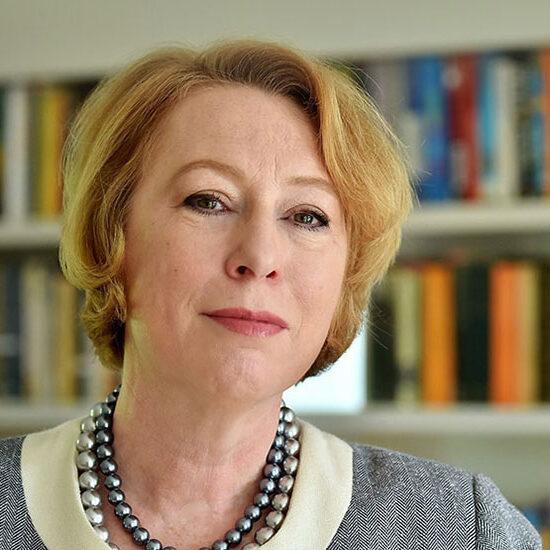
{"points": [[399, 502]]}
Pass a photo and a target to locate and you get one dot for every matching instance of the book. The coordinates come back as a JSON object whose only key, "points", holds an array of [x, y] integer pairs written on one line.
{"points": [[428, 101], [382, 375], [439, 363], [462, 86], [406, 288], [37, 345], [472, 323], [514, 335], [16, 123]]}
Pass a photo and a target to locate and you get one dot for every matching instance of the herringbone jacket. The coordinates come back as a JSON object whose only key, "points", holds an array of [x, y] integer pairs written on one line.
{"points": [[346, 496]]}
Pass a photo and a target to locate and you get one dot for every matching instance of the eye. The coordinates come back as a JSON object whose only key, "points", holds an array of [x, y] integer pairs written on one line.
{"points": [[310, 215], [205, 204]]}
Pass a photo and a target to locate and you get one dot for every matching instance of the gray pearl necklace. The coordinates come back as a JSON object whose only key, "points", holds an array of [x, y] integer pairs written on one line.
{"points": [[95, 451]]}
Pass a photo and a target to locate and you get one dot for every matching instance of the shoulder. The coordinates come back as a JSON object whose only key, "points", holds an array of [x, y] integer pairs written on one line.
{"points": [[10, 462], [498, 519], [16, 529], [392, 474], [382, 464], [12, 499], [25, 456], [438, 497]]}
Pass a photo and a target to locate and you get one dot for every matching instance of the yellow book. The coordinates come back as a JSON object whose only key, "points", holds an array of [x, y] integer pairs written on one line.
{"points": [[53, 112], [529, 342]]}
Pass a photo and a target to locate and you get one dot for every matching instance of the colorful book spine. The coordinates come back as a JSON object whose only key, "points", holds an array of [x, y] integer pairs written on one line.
{"points": [[463, 114], [467, 331], [428, 100], [439, 365]]}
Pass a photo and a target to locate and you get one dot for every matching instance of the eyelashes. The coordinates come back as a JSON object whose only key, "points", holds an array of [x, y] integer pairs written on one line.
{"points": [[212, 198]]}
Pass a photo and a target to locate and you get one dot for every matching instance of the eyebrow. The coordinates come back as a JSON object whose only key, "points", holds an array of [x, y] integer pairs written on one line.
{"points": [[237, 173]]}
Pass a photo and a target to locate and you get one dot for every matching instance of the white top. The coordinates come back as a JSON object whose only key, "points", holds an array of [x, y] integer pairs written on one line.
{"points": [[320, 497]]}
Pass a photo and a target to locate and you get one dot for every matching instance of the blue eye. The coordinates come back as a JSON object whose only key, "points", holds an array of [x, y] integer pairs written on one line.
{"points": [[205, 204]]}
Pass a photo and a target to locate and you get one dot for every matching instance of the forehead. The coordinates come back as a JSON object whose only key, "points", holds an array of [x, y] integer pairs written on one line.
{"points": [[238, 122]]}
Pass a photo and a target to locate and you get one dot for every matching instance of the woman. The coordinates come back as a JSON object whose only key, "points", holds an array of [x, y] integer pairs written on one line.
{"points": [[228, 213]]}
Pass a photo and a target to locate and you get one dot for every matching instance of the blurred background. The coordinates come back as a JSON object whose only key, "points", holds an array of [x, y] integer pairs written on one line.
{"points": [[454, 361]]}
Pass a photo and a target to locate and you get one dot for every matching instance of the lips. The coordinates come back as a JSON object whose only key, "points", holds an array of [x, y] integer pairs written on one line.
{"points": [[249, 315]]}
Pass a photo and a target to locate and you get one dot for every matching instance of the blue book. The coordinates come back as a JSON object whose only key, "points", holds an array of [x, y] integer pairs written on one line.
{"points": [[427, 100], [531, 138], [537, 141]]}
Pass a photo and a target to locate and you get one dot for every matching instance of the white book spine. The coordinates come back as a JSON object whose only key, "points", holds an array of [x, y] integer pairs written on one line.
{"points": [[35, 316], [406, 298], [16, 177], [506, 154]]}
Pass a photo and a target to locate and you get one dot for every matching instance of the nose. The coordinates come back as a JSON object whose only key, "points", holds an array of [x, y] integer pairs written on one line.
{"points": [[256, 252]]}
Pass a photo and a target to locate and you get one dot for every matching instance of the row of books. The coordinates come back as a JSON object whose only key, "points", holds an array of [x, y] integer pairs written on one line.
{"points": [[476, 126], [45, 356], [461, 331], [34, 121]]}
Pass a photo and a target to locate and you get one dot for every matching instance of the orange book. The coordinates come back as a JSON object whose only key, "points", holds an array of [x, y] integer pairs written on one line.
{"points": [[504, 332], [514, 375], [439, 361]]}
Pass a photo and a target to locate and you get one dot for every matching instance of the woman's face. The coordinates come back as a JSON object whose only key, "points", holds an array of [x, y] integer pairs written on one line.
{"points": [[227, 215]]}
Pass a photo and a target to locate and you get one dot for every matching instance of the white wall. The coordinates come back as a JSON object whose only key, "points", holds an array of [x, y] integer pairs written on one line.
{"points": [[76, 36]]}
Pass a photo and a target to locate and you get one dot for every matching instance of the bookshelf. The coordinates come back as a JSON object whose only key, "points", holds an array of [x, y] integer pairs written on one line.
{"points": [[369, 31], [376, 420], [29, 236], [523, 216]]}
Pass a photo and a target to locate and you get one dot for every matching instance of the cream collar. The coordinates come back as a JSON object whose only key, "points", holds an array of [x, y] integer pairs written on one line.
{"points": [[320, 498]]}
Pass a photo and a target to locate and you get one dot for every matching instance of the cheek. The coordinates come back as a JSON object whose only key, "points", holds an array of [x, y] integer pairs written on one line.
{"points": [[320, 282], [161, 268], [180, 268]]}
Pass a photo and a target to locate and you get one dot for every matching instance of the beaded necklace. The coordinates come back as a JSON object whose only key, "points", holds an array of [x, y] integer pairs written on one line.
{"points": [[95, 453]]}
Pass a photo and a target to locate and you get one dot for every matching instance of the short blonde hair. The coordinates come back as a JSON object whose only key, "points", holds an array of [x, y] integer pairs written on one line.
{"points": [[111, 133]]}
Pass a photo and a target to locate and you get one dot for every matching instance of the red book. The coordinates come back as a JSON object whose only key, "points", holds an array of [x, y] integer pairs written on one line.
{"points": [[464, 150]]}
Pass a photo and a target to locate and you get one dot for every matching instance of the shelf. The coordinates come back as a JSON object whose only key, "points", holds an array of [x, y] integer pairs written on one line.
{"points": [[528, 216], [22, 418], [460, 420], [377, 420], [479, 218], [32, 234]]}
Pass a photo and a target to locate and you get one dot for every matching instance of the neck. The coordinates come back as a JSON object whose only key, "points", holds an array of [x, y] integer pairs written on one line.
{"points": [[182, 454]]}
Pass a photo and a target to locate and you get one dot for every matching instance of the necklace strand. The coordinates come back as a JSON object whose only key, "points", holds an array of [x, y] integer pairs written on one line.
{"points": [[95, 451]]}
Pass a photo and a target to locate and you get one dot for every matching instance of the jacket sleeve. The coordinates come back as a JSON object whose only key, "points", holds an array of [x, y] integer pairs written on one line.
{"points": [[499, 524]]}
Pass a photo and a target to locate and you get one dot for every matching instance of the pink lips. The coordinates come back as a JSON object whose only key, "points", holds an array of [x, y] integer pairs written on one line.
{"points": [[245, 321]]}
